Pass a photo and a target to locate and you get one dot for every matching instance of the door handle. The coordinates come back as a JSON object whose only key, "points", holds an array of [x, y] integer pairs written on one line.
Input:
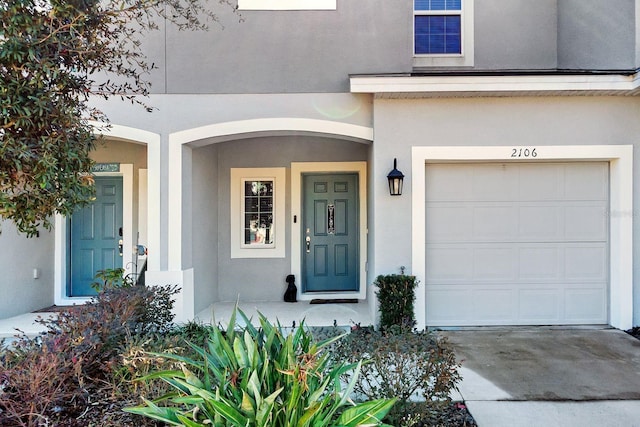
{"points": [[308, 242], [120, 244]]}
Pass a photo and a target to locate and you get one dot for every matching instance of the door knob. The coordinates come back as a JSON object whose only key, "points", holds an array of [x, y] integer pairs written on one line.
{"points": [[308, 241]]}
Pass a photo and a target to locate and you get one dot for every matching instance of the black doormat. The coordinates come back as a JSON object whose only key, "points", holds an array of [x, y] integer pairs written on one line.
{"points": [[335, 301]]}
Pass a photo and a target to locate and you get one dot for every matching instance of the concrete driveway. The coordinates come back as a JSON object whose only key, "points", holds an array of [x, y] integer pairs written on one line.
{"points": [[549, 376]]}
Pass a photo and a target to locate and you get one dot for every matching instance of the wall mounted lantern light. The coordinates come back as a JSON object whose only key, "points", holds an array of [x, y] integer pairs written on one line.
{"points": [[395, 178]]}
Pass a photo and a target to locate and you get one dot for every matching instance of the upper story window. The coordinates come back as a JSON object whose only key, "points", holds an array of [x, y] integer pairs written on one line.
{"points": [[287, 4], [443, 33]]}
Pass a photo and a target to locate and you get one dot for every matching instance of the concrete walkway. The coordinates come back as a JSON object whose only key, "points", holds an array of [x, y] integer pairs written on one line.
{"points": [[549, 377]]}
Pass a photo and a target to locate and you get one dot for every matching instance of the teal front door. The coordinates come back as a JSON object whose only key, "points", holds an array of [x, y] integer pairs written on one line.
{"points": [[96, 233], [330, 231]]}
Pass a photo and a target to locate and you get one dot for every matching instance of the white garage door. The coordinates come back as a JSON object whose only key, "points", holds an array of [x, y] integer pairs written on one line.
{"points": [[517, 244]]}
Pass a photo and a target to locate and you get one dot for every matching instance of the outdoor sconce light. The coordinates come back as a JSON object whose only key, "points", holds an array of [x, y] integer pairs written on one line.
{"points": [[395, 178]]}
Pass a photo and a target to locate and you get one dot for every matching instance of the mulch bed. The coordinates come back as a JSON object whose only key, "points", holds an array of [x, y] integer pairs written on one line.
{"points": [[455, 415], [58, 308], [634, 332]]}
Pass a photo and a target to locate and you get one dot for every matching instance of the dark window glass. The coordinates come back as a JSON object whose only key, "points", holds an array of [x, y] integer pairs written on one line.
{"points": [[438, 34], [258, 208]]}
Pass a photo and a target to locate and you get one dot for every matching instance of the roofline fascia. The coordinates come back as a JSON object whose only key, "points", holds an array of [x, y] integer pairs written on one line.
{"points": [[503, 83]]}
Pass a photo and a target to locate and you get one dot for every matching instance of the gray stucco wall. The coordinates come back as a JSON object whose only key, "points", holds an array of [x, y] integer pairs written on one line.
{"points": [[597, 34], [517, 34], [21, 293], [257, 279], [316, 51], [290, 51], [536, 121], [204, 230]]}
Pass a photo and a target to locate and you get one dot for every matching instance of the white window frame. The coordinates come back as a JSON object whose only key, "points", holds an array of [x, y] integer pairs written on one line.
{"points": [[238, 177], [463, 59], [287, 4]]}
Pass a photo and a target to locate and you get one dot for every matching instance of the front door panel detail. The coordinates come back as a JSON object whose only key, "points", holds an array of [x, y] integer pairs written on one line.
{"points": [[330, 251], [95, 236]]}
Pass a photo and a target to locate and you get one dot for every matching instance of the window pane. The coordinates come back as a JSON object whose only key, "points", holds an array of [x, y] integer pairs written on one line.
{"points": [[421, 5], [437, 34], [437, 4], [258, 208], [251, 204], [454, 5]]}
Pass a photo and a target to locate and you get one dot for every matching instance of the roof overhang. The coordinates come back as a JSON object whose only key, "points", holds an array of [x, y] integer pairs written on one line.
{"points": [[421, 86]]}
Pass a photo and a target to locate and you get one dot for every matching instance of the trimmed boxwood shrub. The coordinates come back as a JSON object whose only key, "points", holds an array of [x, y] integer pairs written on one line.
{"points": [[396, 296]]}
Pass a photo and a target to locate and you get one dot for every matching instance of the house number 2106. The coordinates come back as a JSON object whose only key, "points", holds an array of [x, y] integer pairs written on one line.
{"points": [[524, 152]]}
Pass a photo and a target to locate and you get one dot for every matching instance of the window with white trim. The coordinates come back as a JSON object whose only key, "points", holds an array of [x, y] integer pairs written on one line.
{"points": [[287, 4], [257, 212], [443, 33]]}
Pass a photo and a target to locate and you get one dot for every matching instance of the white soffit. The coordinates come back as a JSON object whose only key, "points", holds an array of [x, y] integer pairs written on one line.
{"points": [[405, 86]]}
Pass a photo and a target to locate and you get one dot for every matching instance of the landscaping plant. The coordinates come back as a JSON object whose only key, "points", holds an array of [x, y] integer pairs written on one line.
{"points": [[417, 368], [247, 376], [396, 295], [77, 360]]}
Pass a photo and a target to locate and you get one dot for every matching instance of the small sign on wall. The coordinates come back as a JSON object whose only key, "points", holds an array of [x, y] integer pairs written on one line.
{"points": [[105, 167]]}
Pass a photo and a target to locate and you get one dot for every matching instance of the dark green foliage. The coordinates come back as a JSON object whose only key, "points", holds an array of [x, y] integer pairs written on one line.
{"points": [[54, 55], [396, 296], [54, 376], [194, 332], [112, 278], [403, 364], [250, 377]]}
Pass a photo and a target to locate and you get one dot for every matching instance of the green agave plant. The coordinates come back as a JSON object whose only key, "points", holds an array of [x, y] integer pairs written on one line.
{"points": [[248, 376]]}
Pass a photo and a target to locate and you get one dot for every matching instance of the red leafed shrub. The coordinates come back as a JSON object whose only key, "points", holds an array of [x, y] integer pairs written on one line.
{"points": [[53, 376]]}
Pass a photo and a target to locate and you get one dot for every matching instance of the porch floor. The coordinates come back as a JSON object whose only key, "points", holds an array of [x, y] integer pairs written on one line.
{"points": [[285, 313], [340, 314]]}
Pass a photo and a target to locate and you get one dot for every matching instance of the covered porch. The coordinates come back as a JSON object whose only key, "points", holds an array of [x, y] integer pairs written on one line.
{"points": [[329, 314]]}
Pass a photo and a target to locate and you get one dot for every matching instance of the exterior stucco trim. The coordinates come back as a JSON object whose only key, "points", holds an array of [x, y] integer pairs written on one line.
{"points": [[494, 84], [286, 5], [228, 131], [620, 159], [240, 129], [152, 141]]}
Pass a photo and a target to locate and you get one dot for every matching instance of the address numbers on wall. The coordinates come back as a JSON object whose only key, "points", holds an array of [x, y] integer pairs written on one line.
{"points": [[524, 153]]}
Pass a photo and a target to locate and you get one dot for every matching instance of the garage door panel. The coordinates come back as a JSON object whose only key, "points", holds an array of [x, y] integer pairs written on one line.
{"points": [[492, 223], [449, 305], [540, 223], [586, 222], [540, 305], [530, 251], [448, 182], [493, 182], [464, 305], [494, 304], [449, 264], [539, 263], [588, 262], [449, 223], [531, 187], [586, 181], [586, 305], [494, 263]]}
